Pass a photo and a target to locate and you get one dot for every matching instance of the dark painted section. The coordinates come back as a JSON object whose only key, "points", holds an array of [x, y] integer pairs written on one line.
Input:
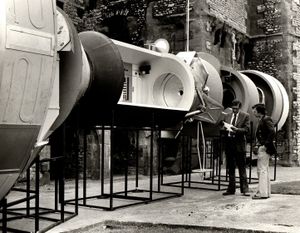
{"points": [[16, 142]]}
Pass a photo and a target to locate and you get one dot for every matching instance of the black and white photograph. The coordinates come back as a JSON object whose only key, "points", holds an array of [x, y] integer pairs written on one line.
{"points": [[150, 116]]}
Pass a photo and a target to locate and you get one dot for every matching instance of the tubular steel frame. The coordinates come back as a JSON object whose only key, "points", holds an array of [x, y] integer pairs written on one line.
{"points": [[11, 213], [216, 181], [125, 194]]}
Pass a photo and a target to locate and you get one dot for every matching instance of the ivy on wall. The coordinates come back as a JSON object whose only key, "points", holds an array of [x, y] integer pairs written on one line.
{"points": [[94, 19], [266, 56], [170, 7]]}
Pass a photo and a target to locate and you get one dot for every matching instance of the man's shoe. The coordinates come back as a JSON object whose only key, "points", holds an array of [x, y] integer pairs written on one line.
{"points": [[247, 194], [258, 197], [227, 193]]}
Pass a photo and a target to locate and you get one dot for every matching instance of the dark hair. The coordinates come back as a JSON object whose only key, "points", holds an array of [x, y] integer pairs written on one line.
{"points": [[236, 103], [260, 108]]}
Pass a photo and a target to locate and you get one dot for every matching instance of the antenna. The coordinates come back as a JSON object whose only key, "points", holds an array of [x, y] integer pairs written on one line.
{"points": [[187, 25]]}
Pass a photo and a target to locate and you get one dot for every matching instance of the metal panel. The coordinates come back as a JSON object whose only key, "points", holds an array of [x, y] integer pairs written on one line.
{"points": [[169, 84], [276, 97], [7, 180], [15, 142], [28, 40], [27, 72]]}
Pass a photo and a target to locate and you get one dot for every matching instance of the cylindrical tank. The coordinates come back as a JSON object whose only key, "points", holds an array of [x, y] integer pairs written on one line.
{"points": [[272, 93], [238, 86], [157, 80], [107, 72], [74, 75], [28, 64]]}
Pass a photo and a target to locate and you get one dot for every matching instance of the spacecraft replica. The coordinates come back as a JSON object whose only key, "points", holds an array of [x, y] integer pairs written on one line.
{"points": [[47, 67]]}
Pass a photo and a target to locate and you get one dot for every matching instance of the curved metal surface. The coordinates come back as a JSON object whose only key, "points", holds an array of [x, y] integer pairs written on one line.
{"points": [[72, 81], [107, 72], [211, 60], [242, 88], [172, 84], [168, 84], [168, 90], [276, 97], [238, 86], [209, 86], [28, 64], [214, 82], [286, 102]]}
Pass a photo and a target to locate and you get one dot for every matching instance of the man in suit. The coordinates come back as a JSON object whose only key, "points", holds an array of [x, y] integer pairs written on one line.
{"points": [[264, 147], [237, 125]]}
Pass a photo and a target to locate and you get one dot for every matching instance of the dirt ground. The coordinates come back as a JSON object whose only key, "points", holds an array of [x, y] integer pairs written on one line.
{"points": [[118, 227]]}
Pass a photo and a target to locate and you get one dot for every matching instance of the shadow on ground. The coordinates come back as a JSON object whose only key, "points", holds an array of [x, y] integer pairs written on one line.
{"points": [[292, 187], [133, 227]]}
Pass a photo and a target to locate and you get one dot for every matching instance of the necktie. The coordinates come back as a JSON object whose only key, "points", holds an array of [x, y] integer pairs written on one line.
{"points": [[234, 119]]}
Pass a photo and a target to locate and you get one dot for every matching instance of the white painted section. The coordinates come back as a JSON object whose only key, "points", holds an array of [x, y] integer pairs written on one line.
{"points": [[63, 33], [52, 111], [169, 77], [24, 39]]}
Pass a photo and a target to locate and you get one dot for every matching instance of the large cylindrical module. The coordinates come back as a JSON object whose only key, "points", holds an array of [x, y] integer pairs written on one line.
{"points": [[28, 62]]}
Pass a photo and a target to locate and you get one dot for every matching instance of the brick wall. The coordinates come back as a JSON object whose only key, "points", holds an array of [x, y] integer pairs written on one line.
{"points": [[233, 12]]}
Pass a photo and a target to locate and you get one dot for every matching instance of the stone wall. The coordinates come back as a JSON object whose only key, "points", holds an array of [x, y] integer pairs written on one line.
{"points": [[267, 55], [266, 30], [213, 30], [233, 12], [294, 31], [242, 34], [266, 17], [272, 26], [97, 19], [163, 8]]}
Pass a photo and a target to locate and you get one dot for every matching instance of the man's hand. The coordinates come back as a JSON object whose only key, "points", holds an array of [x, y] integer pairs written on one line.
{"points": [[233, 128], [228, 127]]}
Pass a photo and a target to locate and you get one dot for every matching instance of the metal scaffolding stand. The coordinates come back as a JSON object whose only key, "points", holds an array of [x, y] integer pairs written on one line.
{"points": [[22, 217], [132, 191], [211, 177]]}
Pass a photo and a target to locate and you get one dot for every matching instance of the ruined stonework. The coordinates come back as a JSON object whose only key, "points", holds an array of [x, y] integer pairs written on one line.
{"points": [[270, 22], [170, 7], [294, 32], [233, 12], [296, 100], [295, 18], [295, 29], [267, 54], [132, 13], [242, 34]]}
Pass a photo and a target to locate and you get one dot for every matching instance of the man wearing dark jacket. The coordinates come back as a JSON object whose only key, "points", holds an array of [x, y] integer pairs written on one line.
{"points": [[236, 126], [265, 147]]}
